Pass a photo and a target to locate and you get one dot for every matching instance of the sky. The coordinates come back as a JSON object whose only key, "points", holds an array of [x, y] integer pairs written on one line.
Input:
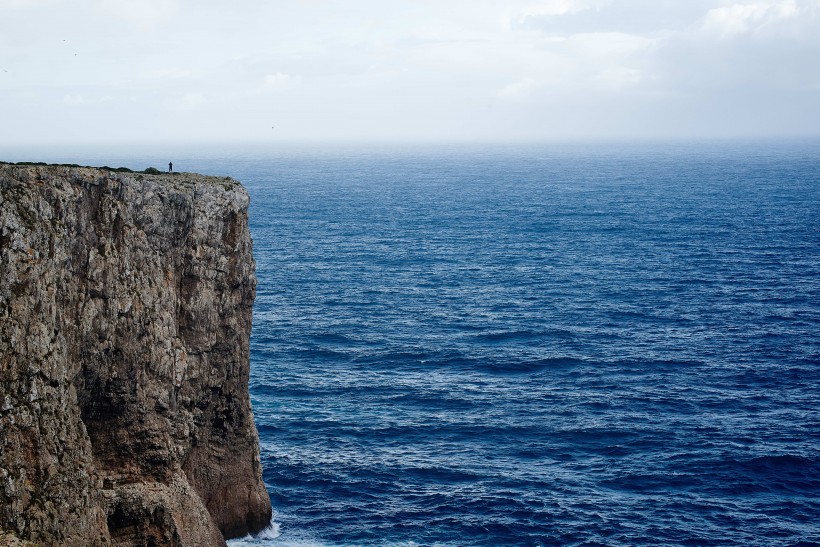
{"points": [[413, 70]]}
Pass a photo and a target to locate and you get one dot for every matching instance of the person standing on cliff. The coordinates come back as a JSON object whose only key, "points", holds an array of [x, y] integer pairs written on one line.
{"points": [[170, 167]]}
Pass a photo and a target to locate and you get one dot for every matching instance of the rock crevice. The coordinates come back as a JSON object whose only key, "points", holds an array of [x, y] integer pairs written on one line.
{"points": [[125, 316]]}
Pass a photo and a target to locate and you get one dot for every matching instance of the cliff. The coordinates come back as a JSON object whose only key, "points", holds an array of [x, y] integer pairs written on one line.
{"points": [[125, 315]]}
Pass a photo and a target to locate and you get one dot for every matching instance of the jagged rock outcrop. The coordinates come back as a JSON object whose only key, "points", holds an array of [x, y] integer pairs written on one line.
{"points": [[125, 315]]}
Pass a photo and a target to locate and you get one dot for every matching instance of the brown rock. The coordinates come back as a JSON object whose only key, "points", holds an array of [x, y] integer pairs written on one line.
{"points": [[125, 315]]}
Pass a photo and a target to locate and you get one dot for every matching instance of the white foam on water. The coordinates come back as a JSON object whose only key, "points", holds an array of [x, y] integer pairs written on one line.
{"points": [[265, 536], [272, 535]]}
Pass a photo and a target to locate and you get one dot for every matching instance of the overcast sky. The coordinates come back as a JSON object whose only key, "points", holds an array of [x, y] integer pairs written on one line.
{"points": [[417, 70]]}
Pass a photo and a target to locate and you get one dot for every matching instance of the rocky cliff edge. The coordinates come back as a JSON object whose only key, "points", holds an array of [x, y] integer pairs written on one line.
{"points": [[125, 316]]}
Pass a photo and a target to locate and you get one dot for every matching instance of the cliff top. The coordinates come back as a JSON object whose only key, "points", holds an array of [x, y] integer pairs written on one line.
{"points": [[174, 179]]}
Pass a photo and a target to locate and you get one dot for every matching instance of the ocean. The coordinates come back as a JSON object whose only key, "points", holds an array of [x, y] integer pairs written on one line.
{"points": [[589, 344]]}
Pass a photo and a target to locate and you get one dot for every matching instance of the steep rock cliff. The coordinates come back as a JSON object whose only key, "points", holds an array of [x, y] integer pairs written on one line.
{"points": [[125, 315]]}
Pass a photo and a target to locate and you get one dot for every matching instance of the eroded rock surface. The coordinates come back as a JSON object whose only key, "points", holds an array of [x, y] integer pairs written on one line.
{"points": [[125, 316]]}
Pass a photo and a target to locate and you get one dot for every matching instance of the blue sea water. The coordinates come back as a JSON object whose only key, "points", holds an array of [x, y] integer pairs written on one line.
{"points": [[536, 345]]}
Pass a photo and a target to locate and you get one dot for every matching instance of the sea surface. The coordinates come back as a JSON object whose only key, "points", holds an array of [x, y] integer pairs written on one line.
{"points": [[535, 345]]}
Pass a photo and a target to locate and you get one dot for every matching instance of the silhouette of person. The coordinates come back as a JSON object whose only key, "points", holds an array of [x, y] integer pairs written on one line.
{"points": [[170, 167]]}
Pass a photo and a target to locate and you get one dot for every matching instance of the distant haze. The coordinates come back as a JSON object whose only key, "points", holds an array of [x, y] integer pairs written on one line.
{"points": [[411, 70]]}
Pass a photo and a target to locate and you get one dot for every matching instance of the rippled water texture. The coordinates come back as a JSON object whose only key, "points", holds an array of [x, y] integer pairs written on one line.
{"points": [[531, 346]]}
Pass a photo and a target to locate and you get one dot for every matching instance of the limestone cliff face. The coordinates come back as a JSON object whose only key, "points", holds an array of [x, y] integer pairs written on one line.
{"points": [[125, 315]]}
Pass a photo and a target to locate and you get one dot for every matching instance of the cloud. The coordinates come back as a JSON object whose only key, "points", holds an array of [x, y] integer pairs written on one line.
{"points": [[607, 46], [624, 16], [168, 73], [20, 4], [187, 101], [143, 14], [279, 80], [518, 90], [73, 100], [551, 8], [747, 17], [619, 77]]}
